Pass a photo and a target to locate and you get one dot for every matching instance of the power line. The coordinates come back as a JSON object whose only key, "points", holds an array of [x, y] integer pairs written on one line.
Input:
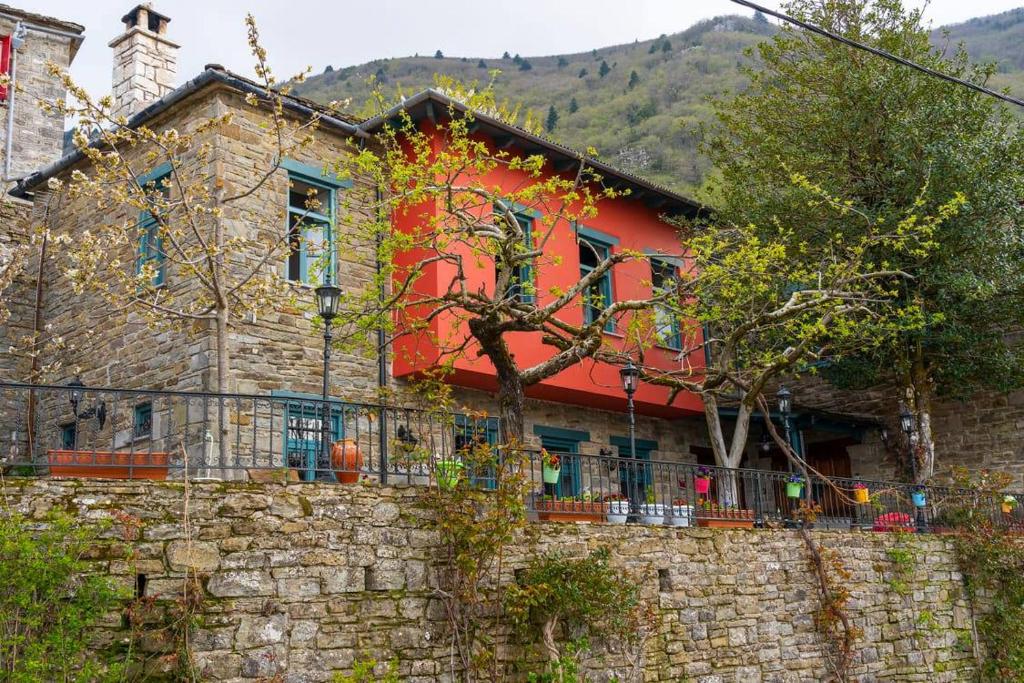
{"points": [[879, 53]]}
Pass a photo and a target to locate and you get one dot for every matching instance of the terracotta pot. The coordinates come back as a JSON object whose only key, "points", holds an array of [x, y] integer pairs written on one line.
{"points": [[107, 465], [346, 461]]}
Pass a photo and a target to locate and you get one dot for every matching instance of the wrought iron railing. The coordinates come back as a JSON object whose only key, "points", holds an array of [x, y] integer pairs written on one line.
{"points": [[129, 433], [48, 430]]}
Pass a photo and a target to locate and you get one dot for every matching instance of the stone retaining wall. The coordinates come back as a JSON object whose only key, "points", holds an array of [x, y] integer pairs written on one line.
{"points": [[302, 580]]}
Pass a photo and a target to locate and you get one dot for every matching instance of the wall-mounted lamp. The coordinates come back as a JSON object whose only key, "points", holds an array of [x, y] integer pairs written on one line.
{"points": [[77, 394]]}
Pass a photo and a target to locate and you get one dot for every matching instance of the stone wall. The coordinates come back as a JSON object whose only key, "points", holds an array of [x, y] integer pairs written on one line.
{"points": [[302, 580]]}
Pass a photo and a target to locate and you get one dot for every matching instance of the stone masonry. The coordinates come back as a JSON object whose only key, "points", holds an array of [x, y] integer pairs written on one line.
{"points": [[300, 581]]}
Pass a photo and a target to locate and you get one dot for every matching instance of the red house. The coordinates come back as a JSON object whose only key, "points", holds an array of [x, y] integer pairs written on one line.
{"points": [[635, 222]]}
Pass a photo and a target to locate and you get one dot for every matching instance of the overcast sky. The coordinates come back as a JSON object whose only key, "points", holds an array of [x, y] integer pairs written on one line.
{"points": [[321, 32]]}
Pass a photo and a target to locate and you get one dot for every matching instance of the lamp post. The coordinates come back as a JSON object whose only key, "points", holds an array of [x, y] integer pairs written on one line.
{"points": [[327, 299], [785, 398], [908, 423], [630, 375]]}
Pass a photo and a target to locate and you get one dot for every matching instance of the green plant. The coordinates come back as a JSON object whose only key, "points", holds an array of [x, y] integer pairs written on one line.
{"points": [[578, 595], [364, 671], [650, 497], [51, 602]]}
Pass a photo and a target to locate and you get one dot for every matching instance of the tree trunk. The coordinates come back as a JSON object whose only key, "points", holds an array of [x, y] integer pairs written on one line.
{"points": [[511, 392], [730, 455], [221, 333], [919, 397]]}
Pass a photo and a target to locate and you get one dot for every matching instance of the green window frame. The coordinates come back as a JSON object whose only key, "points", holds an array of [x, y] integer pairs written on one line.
{"points": [[69, 436], [593, 251], [142, 421], [639, 476], [302, 433], [150, 247], [663, 275], [310, 226]]}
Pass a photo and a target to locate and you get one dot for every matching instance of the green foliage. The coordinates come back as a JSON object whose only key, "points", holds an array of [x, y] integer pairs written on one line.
{"points": [[889, 140], [51, 603], [562, 62], [903, 562], [573, 106], [438, 55], [525, 65], [481, 64], [634, 79], [365, 671], [581, 595], [604, 70], [552, 119]]}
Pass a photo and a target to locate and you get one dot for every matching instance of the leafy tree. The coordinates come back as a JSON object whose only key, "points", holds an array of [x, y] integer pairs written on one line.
{"points": [[506, 55], [634, 79], [666, 46], [525, 65], [582, 73], [562, 62], [438, 55], [604, 70], [890, 140], [767, 303], [653, 48], [760, 18], [481, 64], [573, 106], [517, 59], [552, 119], [328, 69]]}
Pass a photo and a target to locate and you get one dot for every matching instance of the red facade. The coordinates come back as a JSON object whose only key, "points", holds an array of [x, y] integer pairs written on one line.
{"points": [[626, 222]]}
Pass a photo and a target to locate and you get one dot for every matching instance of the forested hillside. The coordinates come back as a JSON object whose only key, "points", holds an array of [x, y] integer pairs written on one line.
{"points": [[639, 104]]}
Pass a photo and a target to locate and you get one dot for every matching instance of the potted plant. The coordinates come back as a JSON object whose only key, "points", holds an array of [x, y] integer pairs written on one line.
{"points": [[108, 464], [702, 480], [618, 508], [1008, 505], [714, 516], [448, 473], [551, 509], [917, 496], [861, 493], [794, 485], [680, 513], [552, 466], [652, 512]]}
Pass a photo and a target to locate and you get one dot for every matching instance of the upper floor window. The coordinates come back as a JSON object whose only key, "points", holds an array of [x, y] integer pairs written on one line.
{"points": [[311, 248], [664, 281], [521, 285], [151, 253], [598, 296]]}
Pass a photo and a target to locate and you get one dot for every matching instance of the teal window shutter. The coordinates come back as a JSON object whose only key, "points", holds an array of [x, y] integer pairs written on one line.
{"points": [[472, 431], [142, 424], [599, 295]]}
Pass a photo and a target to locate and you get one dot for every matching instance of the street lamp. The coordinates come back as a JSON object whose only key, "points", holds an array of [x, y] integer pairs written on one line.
{"points": [[76, 395], [785, 398], [907, 421], [327, 299], [630, 375]]}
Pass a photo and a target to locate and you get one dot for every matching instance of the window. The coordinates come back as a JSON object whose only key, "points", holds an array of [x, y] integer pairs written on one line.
{"points": [[303, 447], [598, 296], [565, 443], [471, 432], [158, 190], [634, 478], [310, 239], [68, 436], [142, 425], [5, 63], [521, 286], [664, 279]]}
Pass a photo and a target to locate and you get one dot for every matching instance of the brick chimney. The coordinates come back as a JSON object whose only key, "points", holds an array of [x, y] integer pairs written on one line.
{"points": [[145, 61]]}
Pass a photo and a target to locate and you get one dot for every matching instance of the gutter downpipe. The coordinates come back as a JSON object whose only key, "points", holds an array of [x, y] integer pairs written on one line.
{"points": [[19, 32]]}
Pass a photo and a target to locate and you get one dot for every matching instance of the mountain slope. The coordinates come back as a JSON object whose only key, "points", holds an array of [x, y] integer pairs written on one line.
{"points": [[640, 104]]}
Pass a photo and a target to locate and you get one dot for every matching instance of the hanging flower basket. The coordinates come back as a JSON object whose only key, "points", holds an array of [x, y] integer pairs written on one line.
{"points": [[861, 493], [917, 497], [794, 486], [552, 467], [448, 473], [702, 481]]}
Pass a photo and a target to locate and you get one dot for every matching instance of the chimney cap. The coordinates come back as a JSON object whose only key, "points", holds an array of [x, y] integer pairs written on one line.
{"points": [[155, 18]]}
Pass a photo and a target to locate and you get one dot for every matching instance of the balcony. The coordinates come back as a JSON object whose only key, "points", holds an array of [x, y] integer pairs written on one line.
{"points": [[77, 431]]}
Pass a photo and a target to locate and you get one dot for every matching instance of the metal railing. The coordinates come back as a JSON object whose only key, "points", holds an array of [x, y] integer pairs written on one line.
{"points": [[48, 430], [129, 433]]}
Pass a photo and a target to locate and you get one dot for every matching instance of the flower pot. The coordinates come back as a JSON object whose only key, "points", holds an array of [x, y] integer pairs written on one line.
{"points": [[107, 465], [794, 489], [917, 497], [551, 474], [652, 513], [346, 461], [448, 473], [701, 485], [618, 511], [861, 495], [680, 515]]}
